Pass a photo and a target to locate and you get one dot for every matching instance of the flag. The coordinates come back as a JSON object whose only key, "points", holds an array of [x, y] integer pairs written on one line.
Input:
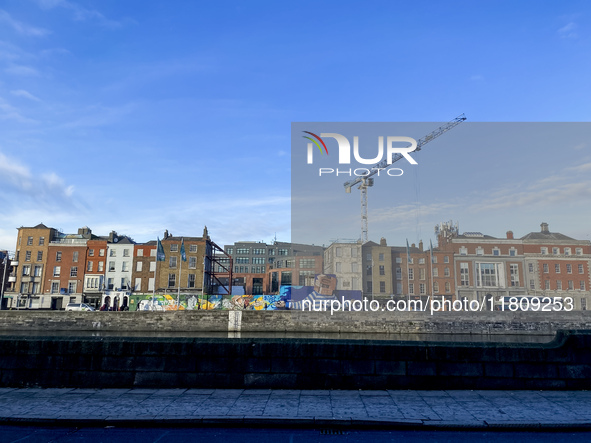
{"points": [[183, 255], [407, 252], [160, 256]]}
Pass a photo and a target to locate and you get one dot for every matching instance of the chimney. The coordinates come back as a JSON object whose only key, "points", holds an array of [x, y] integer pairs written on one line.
{"points": [[509, 235], [165, 234], [413, 245], [383, 242], [205, 234], [421, 245], [545, 228], [112, 236]]}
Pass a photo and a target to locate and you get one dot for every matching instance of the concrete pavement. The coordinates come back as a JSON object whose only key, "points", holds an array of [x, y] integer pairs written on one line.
{"points": [[291, 408]]}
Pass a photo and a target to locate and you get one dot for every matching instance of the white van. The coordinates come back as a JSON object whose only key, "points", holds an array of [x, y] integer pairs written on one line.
{"points": [[79, 307]]}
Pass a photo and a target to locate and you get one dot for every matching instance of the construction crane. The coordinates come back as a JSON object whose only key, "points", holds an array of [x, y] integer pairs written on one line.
{"points": [[367, 181]]}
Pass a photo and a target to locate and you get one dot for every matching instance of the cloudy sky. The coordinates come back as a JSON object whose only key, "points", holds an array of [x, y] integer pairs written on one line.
{"points": [[141, 116]]}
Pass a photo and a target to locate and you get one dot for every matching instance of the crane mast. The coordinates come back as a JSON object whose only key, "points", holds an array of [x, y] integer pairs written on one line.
{"points": [[367, 181]]}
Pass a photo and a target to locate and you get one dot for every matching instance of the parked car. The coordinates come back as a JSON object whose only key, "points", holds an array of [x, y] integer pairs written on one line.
{"points": [[79, 307]]}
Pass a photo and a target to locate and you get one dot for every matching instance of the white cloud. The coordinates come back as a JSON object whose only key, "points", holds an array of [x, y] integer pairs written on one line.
{"points": [[568, 31], [21, 70], [25, 94], [80, 13], [20, 27], [9, 112]]}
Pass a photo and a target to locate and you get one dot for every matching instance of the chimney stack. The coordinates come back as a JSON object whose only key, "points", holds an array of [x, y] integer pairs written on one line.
{"points": [[509, 235], [545, 228], [421, 245], [383, 242]]}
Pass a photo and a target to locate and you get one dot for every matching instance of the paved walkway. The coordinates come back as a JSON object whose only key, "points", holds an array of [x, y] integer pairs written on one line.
{"points": [[289, 408]]}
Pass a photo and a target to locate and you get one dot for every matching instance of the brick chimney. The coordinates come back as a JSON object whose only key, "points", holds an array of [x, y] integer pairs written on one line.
{"points": [[545, 228], [383, 242], [421, 245], [509, 235]]}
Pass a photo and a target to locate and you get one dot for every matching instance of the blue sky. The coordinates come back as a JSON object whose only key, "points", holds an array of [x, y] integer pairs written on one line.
{"points": [[141, 116]]}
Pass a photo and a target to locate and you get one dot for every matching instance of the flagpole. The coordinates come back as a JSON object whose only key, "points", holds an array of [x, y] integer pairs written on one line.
{"points": [[178, 297], [155, 271]]}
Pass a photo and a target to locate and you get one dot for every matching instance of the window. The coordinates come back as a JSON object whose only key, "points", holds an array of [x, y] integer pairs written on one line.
{"points": [[421, 273], [174, 248], [91, 252], [382, 270], [381, 257], [514, 274], [580, 268], [559, 285], [258, 251], [111, 266], [530, 267], [192, 248], [242, 260], [138, 266], [89, 267], [582, 285], [172, 262], [369, 271], [153, 253], [398, 259], [191, 281], [101, 252], [26, 270], [307, 263], [112, 252], [545, 267], [411, 274], [125, 266], [171, 280], [338, 266], [28, 256], [544, 251], [410, 261], [123, 283], [140, 252], [338, 252], [58, 256], [512, 252], [306, 278], [229, 251], [487, 274], [547, 284], [138, 284], [421, 261], [571, 285], [354, 267], [464, 276], [284, 251], [479, 251], [56, 271], [434, 260], [579, 251], [192, 262], [286, 277], [569, 268], [496, 251], [446, 272], [74, 271], [382, 286], [41, 241], [271, 251], [38, 270], [110, 283], [557, 268], [447, 287], [75, 256], [55, 287], [72, 287], [532, 284], [261, 261], [567, 251], [446, 259], [29, 241], [411, 288], [39, 255], [422, 289], [354, 255], [435, 272], [243, 251], [435, 287], [152, 266], [555, 251], [126, 253], [101, 265]]}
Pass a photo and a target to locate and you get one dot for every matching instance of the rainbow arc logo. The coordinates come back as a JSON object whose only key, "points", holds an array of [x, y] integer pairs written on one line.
{"points": [[315, 142]]}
